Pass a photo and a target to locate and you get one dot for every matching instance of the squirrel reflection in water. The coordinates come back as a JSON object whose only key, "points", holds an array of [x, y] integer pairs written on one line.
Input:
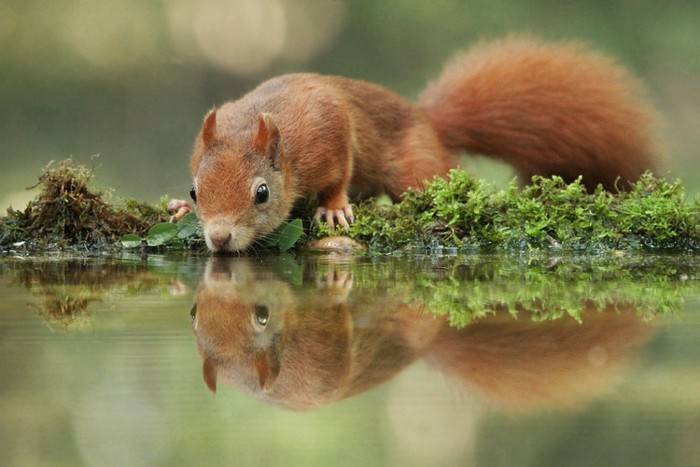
{"points": [[303, 347]]}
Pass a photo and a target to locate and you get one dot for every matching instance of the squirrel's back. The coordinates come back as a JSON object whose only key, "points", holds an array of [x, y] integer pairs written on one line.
{"points": [[546, 109]]}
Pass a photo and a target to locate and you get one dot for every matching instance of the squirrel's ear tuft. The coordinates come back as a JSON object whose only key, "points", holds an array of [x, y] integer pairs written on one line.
{"points": [[267, 367], [209, 371], [209, 129], [267, 139]]}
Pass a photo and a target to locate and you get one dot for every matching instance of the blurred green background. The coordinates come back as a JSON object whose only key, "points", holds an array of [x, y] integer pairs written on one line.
{"points": [[131, 80]]}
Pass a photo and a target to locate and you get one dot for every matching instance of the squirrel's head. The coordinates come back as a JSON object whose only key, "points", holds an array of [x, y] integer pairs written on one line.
{"points": [[239, 181], [239, 324], [288, 346]]}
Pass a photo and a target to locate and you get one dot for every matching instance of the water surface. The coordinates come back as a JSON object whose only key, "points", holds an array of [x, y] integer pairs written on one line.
{"points": [[483, 361]]}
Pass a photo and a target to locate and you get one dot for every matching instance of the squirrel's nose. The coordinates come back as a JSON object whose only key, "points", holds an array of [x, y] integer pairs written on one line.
{"points": [[220, 239]]}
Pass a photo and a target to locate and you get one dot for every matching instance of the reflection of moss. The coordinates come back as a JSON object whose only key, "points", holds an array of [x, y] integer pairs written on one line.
{"points": [[466, 289], [91, 274], [466, 213], [66, 311], [463, 289], [550, 291], [68, 213], [67, 288]]}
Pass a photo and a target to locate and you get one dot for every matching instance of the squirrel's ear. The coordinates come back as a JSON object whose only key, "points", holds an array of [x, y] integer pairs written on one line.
{"points": [[209, 371], [267, 367], [267, 140], [209, 129]]}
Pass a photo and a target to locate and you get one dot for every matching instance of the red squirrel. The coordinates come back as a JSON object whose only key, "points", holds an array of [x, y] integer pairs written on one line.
{"points": [[546, 109]]}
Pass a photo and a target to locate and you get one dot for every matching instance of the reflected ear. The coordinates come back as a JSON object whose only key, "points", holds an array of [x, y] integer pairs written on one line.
{"points": [[209, 371], [267, 139], [209, 129], [268, 368]]}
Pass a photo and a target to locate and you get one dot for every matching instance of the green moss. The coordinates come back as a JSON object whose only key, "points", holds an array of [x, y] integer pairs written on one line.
{"points": [[464, 213], [69, 213]]}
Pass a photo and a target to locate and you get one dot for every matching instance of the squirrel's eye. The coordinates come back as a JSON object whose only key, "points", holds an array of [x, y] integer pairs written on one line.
{"points": [[262, 314], [262, 194], [193, 194]]}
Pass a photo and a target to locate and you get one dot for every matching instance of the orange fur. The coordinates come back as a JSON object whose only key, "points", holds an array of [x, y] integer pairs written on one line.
{"points": [[324, 348], [546, 109], [524, 365]]}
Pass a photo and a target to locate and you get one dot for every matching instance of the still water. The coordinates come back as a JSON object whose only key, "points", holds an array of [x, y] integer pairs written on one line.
{"points": [[475, 361]]}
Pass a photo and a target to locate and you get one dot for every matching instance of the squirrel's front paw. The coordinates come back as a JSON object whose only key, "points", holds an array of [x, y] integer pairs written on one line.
{"points": [[178, 208], [344, 216]]}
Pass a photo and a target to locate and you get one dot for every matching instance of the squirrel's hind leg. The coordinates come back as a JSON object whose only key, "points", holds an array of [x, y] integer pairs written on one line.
{"points": [[421, 157]]}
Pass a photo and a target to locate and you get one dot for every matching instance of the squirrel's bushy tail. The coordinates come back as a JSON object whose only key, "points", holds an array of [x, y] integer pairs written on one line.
{"points": [[547, 109]]}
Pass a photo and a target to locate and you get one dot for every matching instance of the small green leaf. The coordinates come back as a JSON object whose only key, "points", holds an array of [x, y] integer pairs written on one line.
{"points": [[289, 234], [131, 241], [161, 234], [187, 226]]}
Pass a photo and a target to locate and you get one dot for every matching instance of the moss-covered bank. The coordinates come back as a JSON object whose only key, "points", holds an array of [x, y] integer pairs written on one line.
{"points": [[463, 213], [67, 213], [458, 213]]}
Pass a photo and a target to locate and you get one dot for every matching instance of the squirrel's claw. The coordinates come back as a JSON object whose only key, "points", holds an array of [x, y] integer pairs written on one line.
{"points": [[178, 208], [343, 216], [348, 212], [342, 220]]}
